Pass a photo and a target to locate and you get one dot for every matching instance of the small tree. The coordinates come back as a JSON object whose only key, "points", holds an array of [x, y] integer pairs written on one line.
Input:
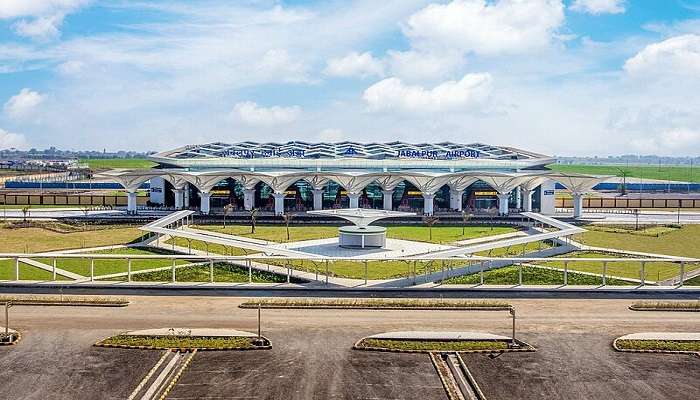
{"points": [[25, 212], [287, 218], [466, 216], [623, 173], [253, 217], [430, 221]]}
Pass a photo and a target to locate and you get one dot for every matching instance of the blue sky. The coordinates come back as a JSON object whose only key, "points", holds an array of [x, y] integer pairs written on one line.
{"points": [[578, 77]]}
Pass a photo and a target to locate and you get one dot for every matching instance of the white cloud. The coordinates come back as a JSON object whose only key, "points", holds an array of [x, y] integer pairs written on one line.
{"points": [[503, 26], [355, 65], [331, 135], [23, 103], [41, 19], [674, 56], [421, 66], [599, 6], [41, 28], [669, 142], [252, 114], [9, 140], [392, 94], [278, 62]]}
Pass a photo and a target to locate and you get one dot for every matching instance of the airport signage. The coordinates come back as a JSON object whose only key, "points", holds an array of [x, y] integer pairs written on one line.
{"points": [[352, 152], [438, 155], [549, 192]]}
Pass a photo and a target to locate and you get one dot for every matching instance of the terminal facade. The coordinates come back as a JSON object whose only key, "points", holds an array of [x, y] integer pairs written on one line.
{"points": [[300, 176]]}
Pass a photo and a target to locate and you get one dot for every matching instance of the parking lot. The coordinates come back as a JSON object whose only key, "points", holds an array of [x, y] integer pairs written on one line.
{"points": [[312, 355]]}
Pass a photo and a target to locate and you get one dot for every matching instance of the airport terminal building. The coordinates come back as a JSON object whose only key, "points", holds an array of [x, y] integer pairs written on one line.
{"points": [[299, 176]]}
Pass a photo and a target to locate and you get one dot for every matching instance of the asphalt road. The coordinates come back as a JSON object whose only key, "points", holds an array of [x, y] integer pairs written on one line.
{"points": [[312, 356]]}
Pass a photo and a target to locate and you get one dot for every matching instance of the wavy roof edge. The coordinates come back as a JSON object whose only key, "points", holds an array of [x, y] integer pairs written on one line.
{"points": [[346, 149]]}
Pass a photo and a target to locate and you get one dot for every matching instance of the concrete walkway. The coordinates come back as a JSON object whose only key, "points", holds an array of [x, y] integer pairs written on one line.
{"points": [[484, 239], [685, 336], [435, 335], [194, 332]]}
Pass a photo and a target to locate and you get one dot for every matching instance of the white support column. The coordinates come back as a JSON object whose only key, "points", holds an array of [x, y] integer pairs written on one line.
{"points": [[388, 199], [503, 203], [179, 198], [455, 199], [428, 203], [186, 196], [547, 194], [248, 199], [518, 198], [318, 199], [279, 203], [527, 200], [578, 204], [205, 206], [131, 202], [354, 200]]}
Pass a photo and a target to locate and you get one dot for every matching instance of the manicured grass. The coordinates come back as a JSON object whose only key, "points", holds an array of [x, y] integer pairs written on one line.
{"points": [[26, 272], [434, 345], [668, 345], [278, 233], [181, 342], [654, 231], [374, 303], [111, 266], [531, 276], [681, 242], [213, 248], [515, 250], [223, 272], [38, 239], [693, 281], [668, 305], [674, 173], [626, 269], [107, 163]]}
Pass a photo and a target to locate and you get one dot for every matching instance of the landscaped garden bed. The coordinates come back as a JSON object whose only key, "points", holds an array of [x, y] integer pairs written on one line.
{"points": [[377, 304], [26, 300], [674, 346], [691, 306], [186, 342]]}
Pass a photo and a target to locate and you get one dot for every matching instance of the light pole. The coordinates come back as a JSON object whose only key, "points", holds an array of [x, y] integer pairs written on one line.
{"points": [[511, 310], [8, 305]]}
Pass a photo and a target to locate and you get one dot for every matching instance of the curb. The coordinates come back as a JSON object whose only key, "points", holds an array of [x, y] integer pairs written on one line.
{"points": [[282, 307], [148, 375], [622, 350], [443, 380], [525, 349], [19, 337], [173, 382], [72, 304], [633, 308]]}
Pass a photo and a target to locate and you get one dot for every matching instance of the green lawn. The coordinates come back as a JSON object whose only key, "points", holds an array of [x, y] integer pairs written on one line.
{"points": [[223, 272], [44, 238], [181, 342], [107, 163], [26, 272], [531, 276], [627, 269], [674, 173], [106, 266], [278, 233], [693, 281], [682, 242], [668, 345], [213, 248]]}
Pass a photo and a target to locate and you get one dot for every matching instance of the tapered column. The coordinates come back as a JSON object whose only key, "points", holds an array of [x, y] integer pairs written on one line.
{"points": [[205, 205], [518, 198], [388, 199], [248, 199], [578, 204], [131, 202], [179, 198], [318, 199], [503, 203], [428, 199], [527, 200], [354, 200], [279, 203], [456, 199]]}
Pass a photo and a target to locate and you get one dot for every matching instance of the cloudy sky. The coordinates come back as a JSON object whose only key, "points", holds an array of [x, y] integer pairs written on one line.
{"points": [[572, 77]]}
